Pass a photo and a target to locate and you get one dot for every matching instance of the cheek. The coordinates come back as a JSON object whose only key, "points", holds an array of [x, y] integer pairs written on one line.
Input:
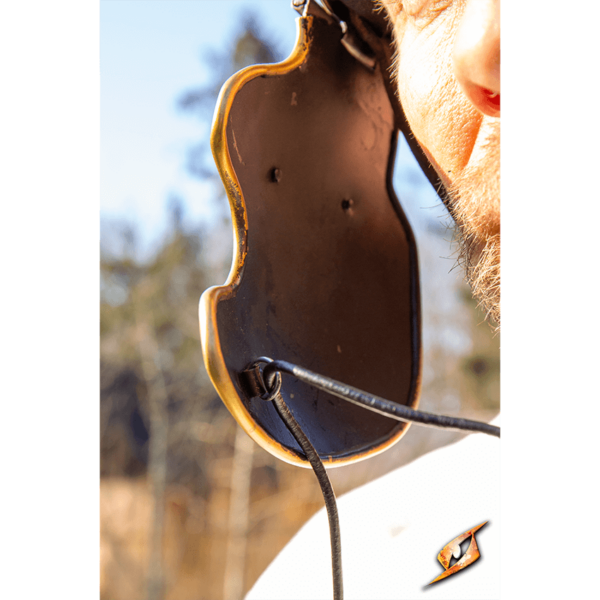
{"points": [[440, 116]]}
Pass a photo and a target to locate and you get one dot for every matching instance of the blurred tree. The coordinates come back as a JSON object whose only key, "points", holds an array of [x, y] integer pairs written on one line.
{"points": [[482, 366], [157, 300]]}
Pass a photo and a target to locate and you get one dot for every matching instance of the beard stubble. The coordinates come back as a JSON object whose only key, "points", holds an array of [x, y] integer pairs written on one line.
{"points": [[475, 198]]}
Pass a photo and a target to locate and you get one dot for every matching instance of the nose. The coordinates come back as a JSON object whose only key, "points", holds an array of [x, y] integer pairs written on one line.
{"points": [[477, 55]]}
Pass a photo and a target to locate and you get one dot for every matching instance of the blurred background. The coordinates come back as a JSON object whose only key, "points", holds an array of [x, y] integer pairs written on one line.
{"points": [[191, 508]]}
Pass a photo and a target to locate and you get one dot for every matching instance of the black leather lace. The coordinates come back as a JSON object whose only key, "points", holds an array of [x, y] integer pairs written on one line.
{"points": [[270, 382]]}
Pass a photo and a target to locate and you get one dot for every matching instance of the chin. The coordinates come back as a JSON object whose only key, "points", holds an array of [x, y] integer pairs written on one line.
{"points": [[475, 195]]}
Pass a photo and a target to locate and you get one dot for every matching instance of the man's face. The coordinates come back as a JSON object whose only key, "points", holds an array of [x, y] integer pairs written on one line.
{"points": [[447, 69]]}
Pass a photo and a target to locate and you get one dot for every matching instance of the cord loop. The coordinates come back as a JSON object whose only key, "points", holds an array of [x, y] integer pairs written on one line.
{"points": [[270, 383]]}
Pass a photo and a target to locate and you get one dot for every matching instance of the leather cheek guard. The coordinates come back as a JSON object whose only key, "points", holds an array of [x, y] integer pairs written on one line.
{"points": [[324, 271], [368, 27]]}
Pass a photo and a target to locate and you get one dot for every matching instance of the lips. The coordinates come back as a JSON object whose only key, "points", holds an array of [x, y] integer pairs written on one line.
{"points": [[493, 99]]}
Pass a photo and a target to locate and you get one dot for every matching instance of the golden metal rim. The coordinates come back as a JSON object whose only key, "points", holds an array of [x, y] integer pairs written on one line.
{"points": [[211, 345]]}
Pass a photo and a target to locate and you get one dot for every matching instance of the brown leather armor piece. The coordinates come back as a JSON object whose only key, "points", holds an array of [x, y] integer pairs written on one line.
{"points": [[325, 271]]}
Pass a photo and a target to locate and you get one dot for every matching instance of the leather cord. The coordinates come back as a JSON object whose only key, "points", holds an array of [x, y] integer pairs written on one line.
{"points": [[326, 489], [269, 382], [372, 402], [271, 385]]}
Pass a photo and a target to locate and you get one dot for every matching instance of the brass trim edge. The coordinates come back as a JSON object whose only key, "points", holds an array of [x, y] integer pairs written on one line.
{"points": [[209, 336]]}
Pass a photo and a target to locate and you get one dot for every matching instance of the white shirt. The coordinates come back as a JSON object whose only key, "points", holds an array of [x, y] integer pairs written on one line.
{"points": [[393, 528]]}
